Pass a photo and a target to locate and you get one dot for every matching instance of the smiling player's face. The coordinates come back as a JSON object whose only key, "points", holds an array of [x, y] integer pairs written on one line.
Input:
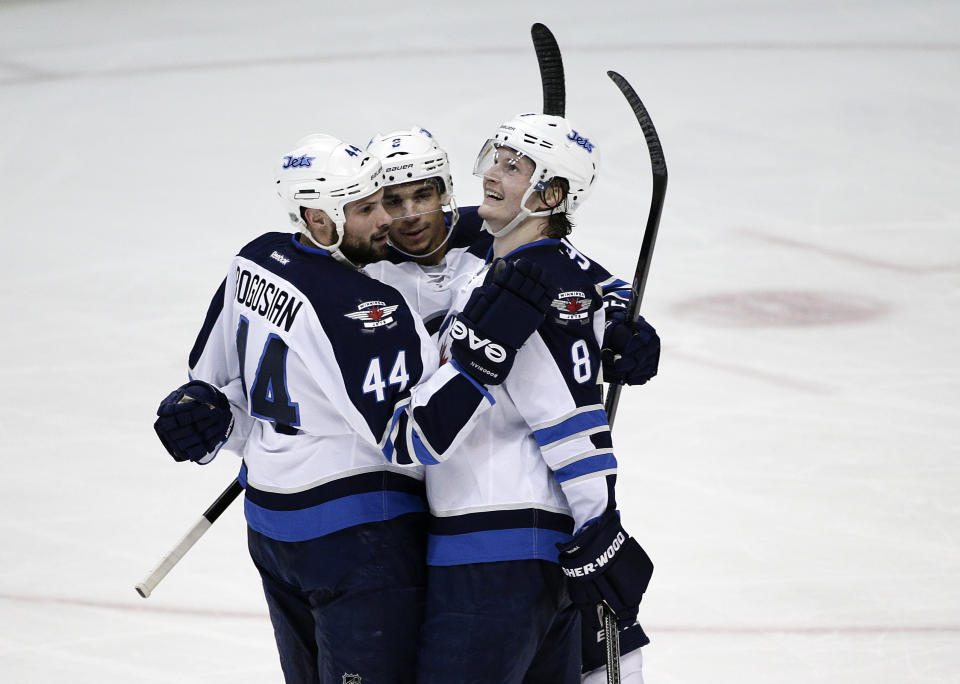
{"points": [[418, 226], [504, 185]]}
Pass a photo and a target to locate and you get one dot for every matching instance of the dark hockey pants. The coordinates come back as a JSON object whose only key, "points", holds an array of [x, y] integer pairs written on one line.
{"points": [[349, 603], [499, 623]]}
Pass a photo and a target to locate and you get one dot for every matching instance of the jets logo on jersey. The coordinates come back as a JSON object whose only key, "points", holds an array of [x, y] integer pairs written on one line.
{"points": [[572, 306], [374, 314]]}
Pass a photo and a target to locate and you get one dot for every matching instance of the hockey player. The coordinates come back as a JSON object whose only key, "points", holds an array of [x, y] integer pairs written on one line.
{"points": [[320, 376], [539, 473], [431, 262]]}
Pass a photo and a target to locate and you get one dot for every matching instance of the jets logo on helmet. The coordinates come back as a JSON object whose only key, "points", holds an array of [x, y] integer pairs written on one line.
{"points": [[302, 160], [583, 142]]}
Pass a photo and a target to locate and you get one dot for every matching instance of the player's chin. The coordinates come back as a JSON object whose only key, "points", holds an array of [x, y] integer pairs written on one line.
{"points": [[379, 245], [413, 244], [374, 250], [489, 209]]}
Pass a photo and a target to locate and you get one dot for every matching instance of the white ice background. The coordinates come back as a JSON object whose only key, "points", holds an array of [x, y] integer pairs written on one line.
{"points": [[793, 470]]}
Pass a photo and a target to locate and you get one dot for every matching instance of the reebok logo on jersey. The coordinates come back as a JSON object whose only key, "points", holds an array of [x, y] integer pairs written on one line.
{"points": [[277, 256], [294, 162], [492, 350], [600, 561], [374, 314], [572, 306]]}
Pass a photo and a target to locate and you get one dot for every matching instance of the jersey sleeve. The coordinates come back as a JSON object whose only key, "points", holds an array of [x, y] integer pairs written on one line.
{"points": [[555, 387], [213, 359]]}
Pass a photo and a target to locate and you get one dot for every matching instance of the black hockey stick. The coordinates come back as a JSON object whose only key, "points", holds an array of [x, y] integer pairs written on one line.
{"points": [[659, 168], [551, 70], [202, 525]]}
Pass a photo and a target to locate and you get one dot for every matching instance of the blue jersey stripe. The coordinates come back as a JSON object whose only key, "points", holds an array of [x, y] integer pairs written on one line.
{"points": [[571, 426], [481, 388], [495, 545], [585, 466], [421, 452], [388, 446], [332, 516]]}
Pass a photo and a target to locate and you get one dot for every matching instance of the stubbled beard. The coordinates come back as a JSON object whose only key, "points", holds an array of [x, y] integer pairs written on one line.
{"points": [[362, 253]]}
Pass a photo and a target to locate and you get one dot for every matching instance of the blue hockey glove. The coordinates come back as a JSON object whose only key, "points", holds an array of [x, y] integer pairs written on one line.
{"points": [[631, 351], [603, 564], [498, 318], [194, 422]]}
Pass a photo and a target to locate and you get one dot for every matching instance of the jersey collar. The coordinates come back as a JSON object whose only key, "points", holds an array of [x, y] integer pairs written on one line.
{"points": [[545, 242]]}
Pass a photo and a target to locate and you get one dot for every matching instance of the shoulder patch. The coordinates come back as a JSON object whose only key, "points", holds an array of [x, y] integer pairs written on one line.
{"points": [[374, 314], [572, 306]]}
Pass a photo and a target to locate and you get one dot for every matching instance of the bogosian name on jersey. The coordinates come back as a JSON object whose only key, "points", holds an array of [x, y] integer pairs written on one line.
{"points": [[268, 300]]}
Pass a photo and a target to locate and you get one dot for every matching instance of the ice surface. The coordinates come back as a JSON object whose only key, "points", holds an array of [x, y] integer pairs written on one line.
{"points": [[791, 471]]}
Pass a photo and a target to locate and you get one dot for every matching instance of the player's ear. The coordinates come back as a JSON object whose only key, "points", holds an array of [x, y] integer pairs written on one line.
{"points": [[317, 218], [554, 193]]}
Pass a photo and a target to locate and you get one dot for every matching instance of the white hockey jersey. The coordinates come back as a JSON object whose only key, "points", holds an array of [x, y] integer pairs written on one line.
{"points": [[334, 377]]}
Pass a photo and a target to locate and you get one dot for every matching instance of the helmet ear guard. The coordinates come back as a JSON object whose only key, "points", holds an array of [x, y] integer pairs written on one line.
{"points": [[323, 172]]}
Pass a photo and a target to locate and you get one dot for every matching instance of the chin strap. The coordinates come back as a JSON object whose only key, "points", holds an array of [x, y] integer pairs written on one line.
{"points": [[523, 214], [334, 249]]}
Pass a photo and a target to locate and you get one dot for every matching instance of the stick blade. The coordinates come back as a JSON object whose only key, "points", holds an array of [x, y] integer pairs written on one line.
{"points": [[657, 162], [551, 70]]}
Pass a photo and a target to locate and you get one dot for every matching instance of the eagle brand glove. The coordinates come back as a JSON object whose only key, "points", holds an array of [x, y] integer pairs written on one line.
{"points": [[194, 421], [497, 319], [603, 564], [631, 351]]}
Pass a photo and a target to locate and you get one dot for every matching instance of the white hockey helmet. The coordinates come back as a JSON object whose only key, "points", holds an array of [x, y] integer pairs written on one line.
{"points": [[412, 155], [557, 150], [323, 172]]}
